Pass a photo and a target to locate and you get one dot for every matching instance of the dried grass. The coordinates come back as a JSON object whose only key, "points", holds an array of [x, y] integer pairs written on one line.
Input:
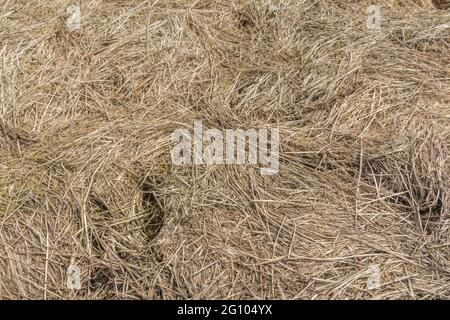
{"points": [[85, 170]]}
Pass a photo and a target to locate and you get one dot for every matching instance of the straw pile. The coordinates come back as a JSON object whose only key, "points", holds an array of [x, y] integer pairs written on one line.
{"points": [[86, 177]]}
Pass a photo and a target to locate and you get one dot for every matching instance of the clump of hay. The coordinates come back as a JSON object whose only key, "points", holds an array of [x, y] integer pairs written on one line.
{"points": [[86, 177]]}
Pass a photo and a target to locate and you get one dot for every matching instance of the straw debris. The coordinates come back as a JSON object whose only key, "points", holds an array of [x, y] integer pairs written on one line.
{"points": [[86, 178]]}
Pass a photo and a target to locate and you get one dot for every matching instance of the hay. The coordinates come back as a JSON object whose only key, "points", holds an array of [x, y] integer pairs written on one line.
{"points": [[86, 177]]}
